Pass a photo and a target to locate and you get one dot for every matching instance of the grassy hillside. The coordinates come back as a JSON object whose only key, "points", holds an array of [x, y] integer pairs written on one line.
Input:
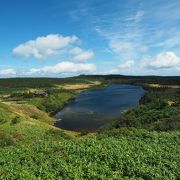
{"points": [[134, 154], [143, 144], [31, 149]]}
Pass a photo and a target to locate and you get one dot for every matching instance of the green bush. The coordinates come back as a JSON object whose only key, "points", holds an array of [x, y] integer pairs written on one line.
{"points": [[34, 116], [16, 120], [5, 140], [168, 124], [57, 134], [2, 120], [4, 113], [83, 133]]}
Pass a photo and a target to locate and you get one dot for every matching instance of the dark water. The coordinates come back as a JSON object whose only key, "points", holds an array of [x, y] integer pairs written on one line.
{"points": [[93, 108]]}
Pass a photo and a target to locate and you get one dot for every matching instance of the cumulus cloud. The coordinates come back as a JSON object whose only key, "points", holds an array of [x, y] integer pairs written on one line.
{"points": [[80, 55], [7, 72], [61, 68], [165, 60], [44, 46], [53, 45]]}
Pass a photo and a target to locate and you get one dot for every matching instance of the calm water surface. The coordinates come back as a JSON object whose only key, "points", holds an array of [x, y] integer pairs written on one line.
{"points": [[93, 108]]}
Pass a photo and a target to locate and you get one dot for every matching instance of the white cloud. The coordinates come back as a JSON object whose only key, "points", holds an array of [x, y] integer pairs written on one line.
{"points": [[62, 67], [137, 17], [166, 63], [44, 46], [127, 65], [119, 47], [7, 72], [165, 60], [127, 50], [125, 34], [80, 55], [75, 51], [124, 68], [53, 45], [170, 42]]}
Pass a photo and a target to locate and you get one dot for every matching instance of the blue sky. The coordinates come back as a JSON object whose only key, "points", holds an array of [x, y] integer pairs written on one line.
{"points": [[60, 38]]}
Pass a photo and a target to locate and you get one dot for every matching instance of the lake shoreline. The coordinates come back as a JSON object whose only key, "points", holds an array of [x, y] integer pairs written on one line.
{"points": [[57, 122]]}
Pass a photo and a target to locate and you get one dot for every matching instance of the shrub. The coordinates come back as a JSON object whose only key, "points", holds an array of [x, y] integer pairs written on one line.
{"points": [[168, 124], [4, 113], [16, 120], [57, 134], [17, 135], [34, 116], [2, 120], [83, 133], [5, 140]]}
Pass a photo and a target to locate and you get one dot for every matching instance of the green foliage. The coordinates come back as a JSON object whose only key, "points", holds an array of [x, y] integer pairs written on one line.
{"points": [[171, 123], [16, 120], [21, 95], [5, 139], [144, 116], [83, 133], [139, 155], [53, 103], [159, 97], [5, 113], [57, 135], [34, 116]]}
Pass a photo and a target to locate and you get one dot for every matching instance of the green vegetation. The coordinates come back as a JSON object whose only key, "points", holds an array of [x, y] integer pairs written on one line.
{"points": [[142, 144], [83, 133], [5, 113], [16, 119], [53, 103], [33, 116], [142, 155]]}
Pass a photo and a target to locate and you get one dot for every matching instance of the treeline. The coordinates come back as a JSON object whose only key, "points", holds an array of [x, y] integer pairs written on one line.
{"points": [[50, 82], [6, 83], [166, 80]]}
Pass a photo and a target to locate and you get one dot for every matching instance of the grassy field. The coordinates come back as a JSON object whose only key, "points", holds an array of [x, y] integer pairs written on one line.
{"points": [[143, 144]]}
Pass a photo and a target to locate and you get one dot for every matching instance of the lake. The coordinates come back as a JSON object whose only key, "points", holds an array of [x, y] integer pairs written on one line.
{"points": [[95, 107]]}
